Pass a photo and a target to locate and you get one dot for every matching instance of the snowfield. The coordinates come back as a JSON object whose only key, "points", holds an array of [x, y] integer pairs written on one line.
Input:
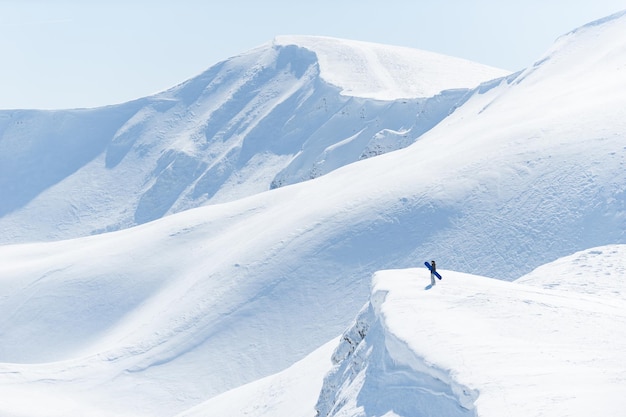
{"points": [[469, 346], [502, 348], [384, 72], [199, 252]]}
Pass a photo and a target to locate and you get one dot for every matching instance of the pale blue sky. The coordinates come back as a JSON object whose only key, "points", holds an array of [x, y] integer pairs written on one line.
{"points": [[85, 53]]}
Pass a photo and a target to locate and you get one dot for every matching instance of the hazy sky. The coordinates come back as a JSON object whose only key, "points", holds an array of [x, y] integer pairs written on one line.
{"points": [[85, 53]]}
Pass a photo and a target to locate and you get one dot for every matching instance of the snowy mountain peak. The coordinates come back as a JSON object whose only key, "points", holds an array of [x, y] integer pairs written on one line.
{"points": [[383, 72], [260, 120]]}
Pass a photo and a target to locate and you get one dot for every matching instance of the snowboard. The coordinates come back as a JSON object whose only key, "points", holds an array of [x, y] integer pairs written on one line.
{"points": [[431, 269]]}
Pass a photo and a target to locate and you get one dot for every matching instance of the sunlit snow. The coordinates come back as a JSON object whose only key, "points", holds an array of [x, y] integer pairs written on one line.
{"points": [[203, 292]]}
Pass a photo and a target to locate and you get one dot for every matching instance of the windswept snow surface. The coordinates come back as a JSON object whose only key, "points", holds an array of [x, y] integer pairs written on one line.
{"points": [[475, 346], [470, 346], [384, 72], [596, 271], [155, 319], [260, 120]]}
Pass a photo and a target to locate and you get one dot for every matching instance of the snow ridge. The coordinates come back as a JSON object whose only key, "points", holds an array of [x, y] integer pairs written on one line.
{"points": [[455, 350], [376, 373], [260, 120], [596, 271], [383, 72]]}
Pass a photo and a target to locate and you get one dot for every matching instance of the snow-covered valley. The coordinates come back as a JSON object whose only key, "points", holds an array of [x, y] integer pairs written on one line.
{"points": [[188, 253]]}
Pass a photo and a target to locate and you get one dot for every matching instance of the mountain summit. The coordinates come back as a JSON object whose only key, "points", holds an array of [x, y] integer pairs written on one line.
{"points": [[288, 111], [384, 72]]}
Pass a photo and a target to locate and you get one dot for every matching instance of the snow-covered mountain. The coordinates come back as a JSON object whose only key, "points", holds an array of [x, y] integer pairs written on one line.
{"points": [[469, 346], [159, 318], [288, 111]]}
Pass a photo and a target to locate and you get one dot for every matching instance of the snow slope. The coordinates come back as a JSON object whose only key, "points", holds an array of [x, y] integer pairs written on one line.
{"points": [[290, 393], [384, 72], [470, 346], [474, 346], [155, 319], [282, 113], [596, 271]]}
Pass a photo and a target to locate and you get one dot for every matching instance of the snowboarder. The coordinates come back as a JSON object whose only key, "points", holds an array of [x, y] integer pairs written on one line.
{"points": [[432, 272]]}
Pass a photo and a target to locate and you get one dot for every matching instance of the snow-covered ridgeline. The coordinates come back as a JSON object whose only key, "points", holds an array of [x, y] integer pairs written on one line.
{"points": [[262, 119], [385, 72], [379, 367], [475, 346], [376, 372]]}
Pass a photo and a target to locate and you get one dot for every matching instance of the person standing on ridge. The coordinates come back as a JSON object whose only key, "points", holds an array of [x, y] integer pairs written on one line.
{"points": [[432, 272]]}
